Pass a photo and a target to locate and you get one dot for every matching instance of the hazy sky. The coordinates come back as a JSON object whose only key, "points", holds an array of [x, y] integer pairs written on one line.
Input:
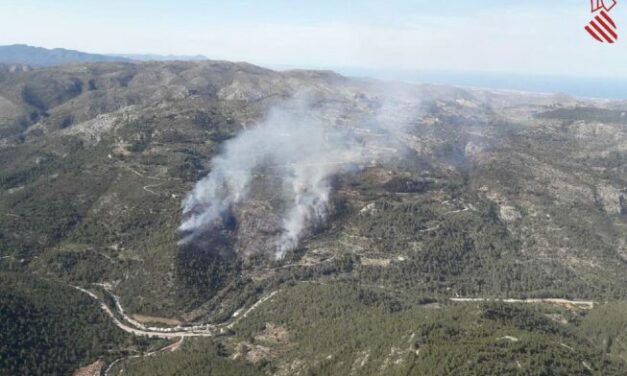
{"points": [[526, 36]]}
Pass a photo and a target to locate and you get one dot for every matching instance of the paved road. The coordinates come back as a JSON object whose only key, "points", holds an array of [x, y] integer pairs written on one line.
{"points": [[208, 330]]}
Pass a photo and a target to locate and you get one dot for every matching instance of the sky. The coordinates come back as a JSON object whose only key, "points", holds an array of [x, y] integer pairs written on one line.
{"points": [[525, 37]]}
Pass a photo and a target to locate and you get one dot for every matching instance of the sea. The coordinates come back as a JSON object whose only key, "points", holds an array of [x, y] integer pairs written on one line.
{"points": [[580, 87]]}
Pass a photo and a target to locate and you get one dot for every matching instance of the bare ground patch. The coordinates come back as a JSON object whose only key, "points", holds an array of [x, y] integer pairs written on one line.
{"points": [[90, 370]]}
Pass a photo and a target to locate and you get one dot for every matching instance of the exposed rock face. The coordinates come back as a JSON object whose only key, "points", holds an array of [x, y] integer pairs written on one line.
{"points": [[509, 213], [612, 199]]}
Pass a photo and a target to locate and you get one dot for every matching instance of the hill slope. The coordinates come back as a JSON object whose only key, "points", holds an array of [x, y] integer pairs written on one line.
{"points": [[462, 193]]}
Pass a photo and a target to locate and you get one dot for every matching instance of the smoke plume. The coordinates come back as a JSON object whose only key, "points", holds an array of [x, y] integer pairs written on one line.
{"points": [[297, 144]]}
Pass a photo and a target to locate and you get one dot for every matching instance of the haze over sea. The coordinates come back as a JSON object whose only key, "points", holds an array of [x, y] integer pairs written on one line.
{"points": [[582, 87]]}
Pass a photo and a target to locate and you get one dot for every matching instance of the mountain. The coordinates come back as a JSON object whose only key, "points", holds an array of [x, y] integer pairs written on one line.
{"points": [[152, 57], [422, 229], [41, 57]]}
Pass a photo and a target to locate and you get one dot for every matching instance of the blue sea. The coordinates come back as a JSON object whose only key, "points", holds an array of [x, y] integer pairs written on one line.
{"points": [[609, 88]]}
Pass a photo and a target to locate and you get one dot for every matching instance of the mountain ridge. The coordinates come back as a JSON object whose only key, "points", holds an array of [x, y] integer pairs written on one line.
{"points": [[42, 57]]}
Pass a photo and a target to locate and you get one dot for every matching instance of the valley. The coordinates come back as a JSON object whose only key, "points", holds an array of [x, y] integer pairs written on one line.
{"points": [[382, 227]]}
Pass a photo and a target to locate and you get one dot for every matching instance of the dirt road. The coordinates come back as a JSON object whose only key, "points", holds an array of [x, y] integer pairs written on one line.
{"points": [[577, 303]]}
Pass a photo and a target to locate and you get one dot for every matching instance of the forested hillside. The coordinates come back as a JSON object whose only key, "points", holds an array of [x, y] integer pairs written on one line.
{"points": [[49, 328], [456, 193]]}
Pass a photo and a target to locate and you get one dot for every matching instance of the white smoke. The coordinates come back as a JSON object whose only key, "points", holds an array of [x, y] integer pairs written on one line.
{"points": [[298, 145]]}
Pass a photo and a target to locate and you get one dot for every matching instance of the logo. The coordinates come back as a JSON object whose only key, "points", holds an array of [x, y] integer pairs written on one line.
{"points": [[602, 27]]}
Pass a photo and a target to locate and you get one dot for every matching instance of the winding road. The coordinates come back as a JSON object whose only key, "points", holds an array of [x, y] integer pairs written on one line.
{"points": [[138, 329]]}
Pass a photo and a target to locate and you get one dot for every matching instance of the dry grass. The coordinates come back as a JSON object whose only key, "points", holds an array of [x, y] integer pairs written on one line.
{"points": [[153, 319]]}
